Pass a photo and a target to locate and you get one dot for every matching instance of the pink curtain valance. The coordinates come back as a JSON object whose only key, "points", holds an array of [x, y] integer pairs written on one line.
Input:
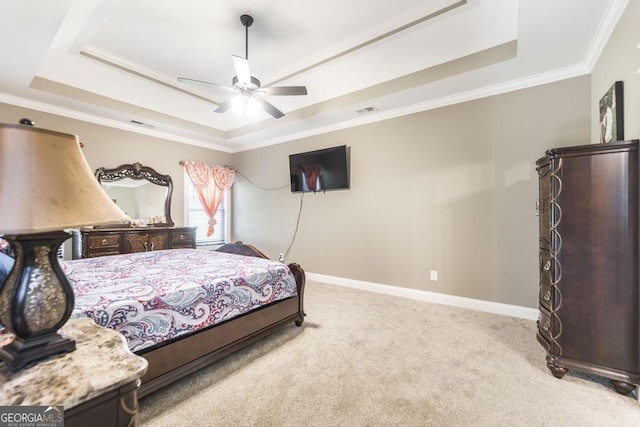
{"points": [[201, 173], [210, 182]]}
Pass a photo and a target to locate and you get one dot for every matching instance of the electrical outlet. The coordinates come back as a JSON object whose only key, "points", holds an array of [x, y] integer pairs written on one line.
{"points": [[434, 275], [281, 257]]}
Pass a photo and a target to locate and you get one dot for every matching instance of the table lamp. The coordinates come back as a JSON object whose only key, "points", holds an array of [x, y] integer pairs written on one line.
{"points": [[46, 186]]}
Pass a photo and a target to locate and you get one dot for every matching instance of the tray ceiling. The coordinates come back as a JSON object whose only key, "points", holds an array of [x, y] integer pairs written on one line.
{"points": [[116, 62]]}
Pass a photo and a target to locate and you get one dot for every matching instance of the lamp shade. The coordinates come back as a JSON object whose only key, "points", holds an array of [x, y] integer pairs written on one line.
{"points": [[47, 185]]}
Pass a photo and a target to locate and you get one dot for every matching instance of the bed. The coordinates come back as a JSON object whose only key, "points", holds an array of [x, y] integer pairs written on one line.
{"points": [[186, 308]]}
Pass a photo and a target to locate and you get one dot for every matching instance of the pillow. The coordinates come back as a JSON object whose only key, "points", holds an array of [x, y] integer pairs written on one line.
{"points": [[5, 248], [6, 264]]}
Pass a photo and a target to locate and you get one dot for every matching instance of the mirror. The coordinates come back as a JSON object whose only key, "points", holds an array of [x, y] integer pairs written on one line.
{"points": [[141, 192]]}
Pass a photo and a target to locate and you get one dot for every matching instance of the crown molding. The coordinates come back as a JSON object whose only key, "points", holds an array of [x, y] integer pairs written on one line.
{"points": [[498, 89], [472, 95], [606, 28], [103, 121], [608, 24]]}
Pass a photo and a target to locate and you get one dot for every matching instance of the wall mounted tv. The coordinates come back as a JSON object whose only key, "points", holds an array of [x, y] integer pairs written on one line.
{"points": [[320, 170]]}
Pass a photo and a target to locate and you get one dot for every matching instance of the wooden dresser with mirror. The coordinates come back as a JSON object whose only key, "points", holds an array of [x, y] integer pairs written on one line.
{"points": [[145, 195]]}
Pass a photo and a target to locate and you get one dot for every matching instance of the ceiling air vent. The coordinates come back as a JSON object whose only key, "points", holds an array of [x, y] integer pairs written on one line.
{"points": [[366, 109], [139, 123]]}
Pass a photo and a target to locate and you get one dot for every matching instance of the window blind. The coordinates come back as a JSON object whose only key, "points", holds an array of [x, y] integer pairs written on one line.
{"points": [[198, 218]]}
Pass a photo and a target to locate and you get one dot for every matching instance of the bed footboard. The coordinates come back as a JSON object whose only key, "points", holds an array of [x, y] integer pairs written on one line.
{"points": [[186, 355], [298, 273]]}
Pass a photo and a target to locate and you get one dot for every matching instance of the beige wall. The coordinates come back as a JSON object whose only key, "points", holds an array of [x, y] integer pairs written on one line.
{"points": [[451, 190], [110, 147], [619, 61]]}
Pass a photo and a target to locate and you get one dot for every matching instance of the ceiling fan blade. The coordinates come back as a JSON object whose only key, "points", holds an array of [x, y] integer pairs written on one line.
{"points": [[241, 66], [283, 90], [269, 108], [203, 83], [224, 106]]}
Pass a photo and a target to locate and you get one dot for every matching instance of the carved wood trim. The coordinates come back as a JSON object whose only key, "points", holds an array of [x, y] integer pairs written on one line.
{"points": [[137, 171]]}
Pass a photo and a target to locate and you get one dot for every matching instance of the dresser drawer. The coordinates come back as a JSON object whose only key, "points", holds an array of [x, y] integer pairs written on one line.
{"points": [[101, 245], [544, 207], [145, 242], [136, 242], [182, 239], [545, 266], [544, 325], [105, 241], [158, 241], [115, 241], [546, 295]]}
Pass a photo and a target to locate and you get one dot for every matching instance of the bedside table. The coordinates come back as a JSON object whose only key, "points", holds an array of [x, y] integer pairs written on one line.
{"points": [[96, 384]]}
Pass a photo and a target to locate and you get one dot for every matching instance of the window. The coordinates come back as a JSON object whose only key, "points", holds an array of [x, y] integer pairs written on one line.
{"points": [[195, 216]]}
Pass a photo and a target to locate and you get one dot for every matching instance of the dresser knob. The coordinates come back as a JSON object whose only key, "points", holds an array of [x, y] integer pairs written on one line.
{"points": [[104, 242], [547, 266], [547, 296]]}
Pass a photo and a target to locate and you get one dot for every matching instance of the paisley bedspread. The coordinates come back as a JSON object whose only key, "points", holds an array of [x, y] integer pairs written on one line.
{"points": [[152, 297]]}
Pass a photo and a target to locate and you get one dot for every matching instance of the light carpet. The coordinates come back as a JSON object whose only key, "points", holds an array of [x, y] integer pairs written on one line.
{"points": [[368, 359]]}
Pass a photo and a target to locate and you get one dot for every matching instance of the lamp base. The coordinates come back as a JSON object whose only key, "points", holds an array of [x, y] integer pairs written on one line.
{"points": [[35, 301], [19, 354]]}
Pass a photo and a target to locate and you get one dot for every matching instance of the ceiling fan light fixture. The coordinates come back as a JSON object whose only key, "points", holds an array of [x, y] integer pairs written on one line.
{"points": [[253, 107], [248, 91], [237, 103], [252, 84], [245, 105]]}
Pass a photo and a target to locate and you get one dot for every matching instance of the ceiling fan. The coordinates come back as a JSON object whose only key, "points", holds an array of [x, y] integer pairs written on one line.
{"points": [[247, 87]]}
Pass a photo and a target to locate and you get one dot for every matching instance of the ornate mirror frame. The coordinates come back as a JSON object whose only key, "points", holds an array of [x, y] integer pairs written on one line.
{"points": [[137, 171]]}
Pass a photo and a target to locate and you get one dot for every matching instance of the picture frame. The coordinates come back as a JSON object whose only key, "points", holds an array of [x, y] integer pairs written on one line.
{"points": [[611, 107]]}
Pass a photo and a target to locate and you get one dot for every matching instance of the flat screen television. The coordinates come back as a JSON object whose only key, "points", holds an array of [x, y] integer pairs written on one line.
{"points": [[320, 170]]}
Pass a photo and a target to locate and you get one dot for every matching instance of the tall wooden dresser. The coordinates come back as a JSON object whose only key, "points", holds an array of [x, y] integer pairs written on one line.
{"points": [[589, 254]]}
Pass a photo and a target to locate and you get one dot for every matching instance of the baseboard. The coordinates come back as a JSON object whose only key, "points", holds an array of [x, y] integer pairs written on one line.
{"points": [[473, 304]]}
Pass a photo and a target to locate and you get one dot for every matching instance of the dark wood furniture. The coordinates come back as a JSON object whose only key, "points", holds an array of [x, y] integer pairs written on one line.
{"points": [[93, 242], [183, 356], [96, 384], [158, 234], [137, 172], [589, 254]]}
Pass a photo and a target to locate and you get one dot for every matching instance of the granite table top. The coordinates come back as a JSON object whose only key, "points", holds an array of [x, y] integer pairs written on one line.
{"points": [[101, 362]]}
